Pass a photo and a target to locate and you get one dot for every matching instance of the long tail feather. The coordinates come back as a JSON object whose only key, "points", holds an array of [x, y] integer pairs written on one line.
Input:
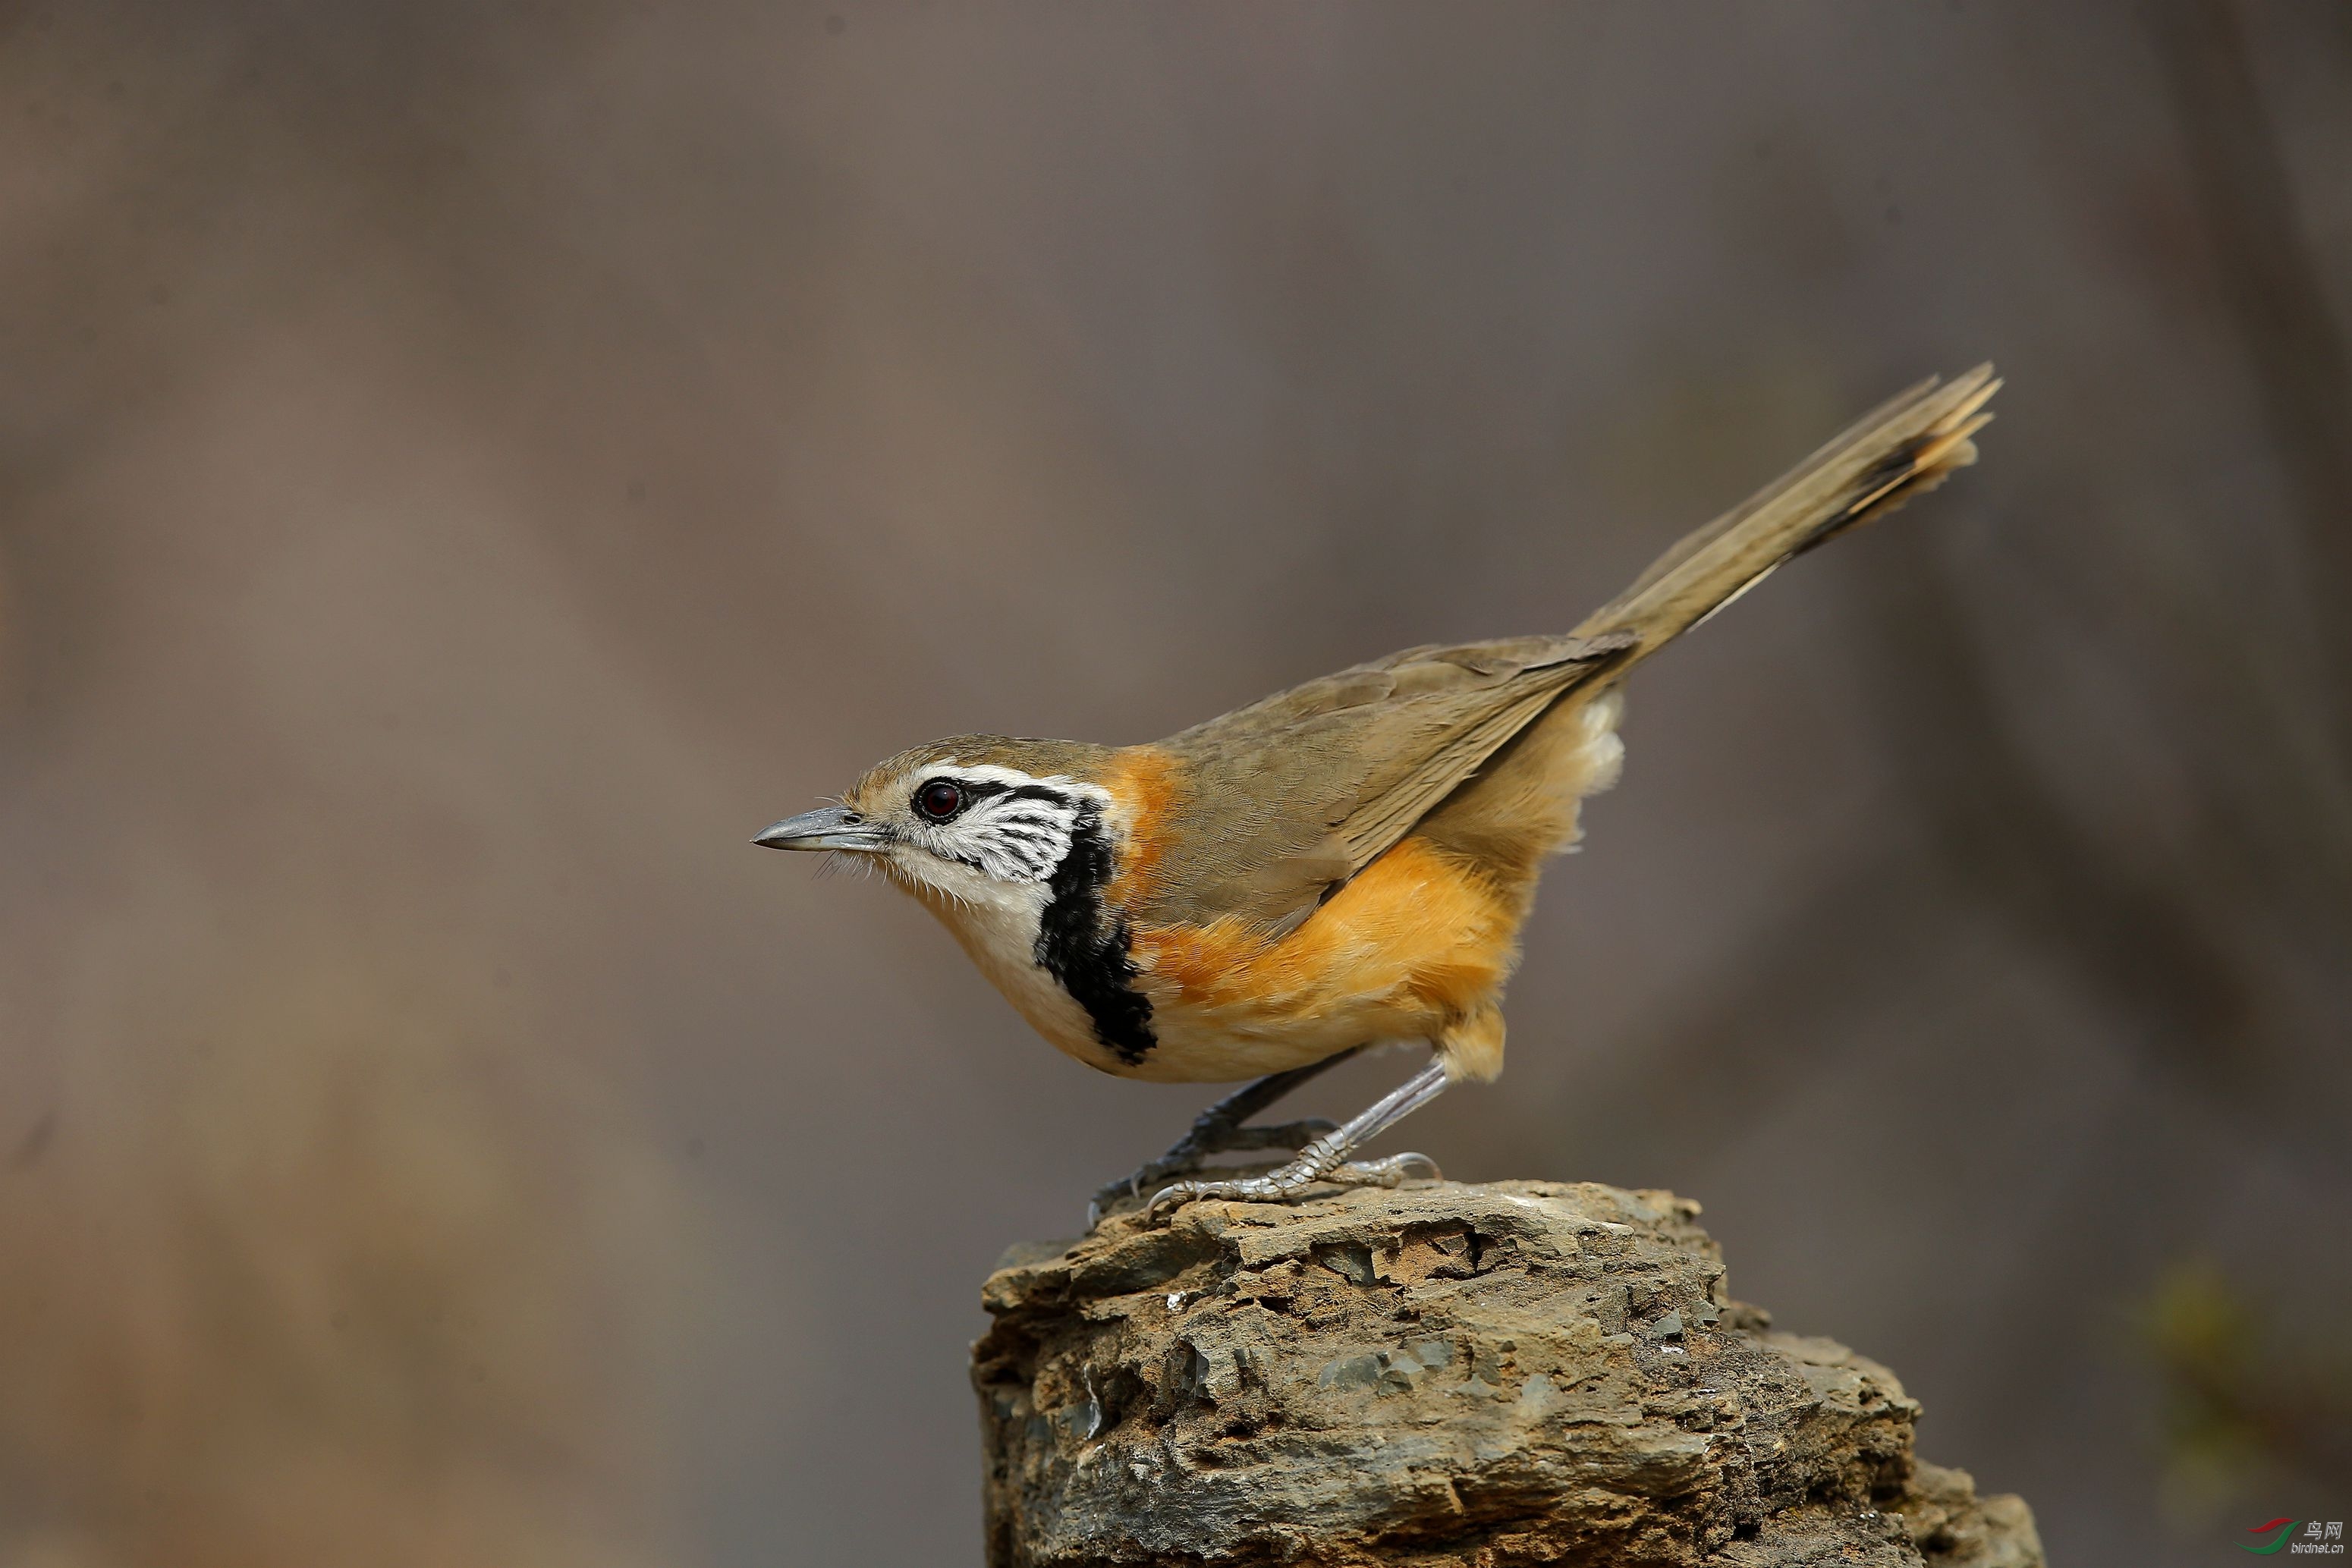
{"points": [[1906, 446]]}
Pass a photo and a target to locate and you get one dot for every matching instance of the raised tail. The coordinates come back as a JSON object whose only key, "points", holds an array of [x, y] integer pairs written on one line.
{"points": [[1906, 446]]}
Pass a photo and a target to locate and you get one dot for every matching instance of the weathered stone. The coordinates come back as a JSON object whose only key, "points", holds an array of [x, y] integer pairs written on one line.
{"points": [[1512, 1373]]}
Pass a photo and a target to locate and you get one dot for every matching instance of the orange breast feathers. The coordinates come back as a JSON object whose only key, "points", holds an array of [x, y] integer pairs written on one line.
{"points": [[1145, 783], [1416, 947]]}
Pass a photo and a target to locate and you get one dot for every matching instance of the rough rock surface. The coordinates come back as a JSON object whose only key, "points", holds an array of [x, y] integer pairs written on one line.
{"points": [[1511, 1374]]}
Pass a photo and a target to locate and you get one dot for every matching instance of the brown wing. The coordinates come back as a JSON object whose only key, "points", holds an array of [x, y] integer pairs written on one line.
{"points": [[1290, 797]]}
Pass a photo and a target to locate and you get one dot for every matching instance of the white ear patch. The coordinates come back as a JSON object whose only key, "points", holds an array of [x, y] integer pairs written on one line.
{"points": [[1018, 828]]}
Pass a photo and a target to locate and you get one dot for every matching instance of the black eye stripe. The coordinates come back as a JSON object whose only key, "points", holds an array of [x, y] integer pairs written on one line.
{"points": [[988, 788], [978, 790]]}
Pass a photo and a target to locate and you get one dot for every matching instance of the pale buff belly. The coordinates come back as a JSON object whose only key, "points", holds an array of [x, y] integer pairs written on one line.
{"points": [[1410, 949], [1226, 1044], [1217, 1042], [1260, 1020], [1406, 951]]}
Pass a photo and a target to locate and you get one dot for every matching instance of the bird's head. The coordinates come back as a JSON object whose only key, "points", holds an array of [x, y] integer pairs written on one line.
{"points": [[973, 817]]}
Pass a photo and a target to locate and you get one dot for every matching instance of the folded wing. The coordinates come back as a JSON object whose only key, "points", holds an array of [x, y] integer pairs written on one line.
{"points": [[1290, 797]]}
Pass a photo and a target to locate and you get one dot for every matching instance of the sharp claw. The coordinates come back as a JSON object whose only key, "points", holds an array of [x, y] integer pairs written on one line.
{"points": [[1389, 1172], [1167, 1200], [1250, 1189], [1322, 1147], [1214, 1134], [1276, 1186]]}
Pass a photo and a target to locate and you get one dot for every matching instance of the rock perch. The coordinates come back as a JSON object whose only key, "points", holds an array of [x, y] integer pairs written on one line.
{"points": [[1521, 1373]]}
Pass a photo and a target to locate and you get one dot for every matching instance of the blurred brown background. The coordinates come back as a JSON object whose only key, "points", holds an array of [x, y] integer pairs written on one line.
{"points": [[464, 469]]}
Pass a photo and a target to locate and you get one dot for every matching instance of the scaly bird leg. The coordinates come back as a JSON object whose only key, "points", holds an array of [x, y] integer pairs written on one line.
{"points": [[1219, 1130], [1326, 1159]]}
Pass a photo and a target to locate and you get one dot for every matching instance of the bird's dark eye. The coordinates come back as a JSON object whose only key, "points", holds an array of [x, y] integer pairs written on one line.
{"points": [[938, 800]]}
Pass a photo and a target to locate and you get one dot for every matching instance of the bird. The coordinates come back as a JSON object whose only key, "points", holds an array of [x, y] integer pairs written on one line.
{"points": [[1344, 864]]}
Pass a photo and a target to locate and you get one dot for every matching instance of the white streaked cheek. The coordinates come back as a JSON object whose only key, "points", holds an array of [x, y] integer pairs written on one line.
{"points": [[1022, 841], [1026, 861], [965, 884]]}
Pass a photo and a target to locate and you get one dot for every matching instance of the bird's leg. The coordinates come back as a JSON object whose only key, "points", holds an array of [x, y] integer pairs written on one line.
{"points": [[1219, 1130], [1326, 1159]]}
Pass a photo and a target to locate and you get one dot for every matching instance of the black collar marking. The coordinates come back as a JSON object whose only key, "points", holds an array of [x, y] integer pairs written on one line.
{"points": [[1089, 955]]}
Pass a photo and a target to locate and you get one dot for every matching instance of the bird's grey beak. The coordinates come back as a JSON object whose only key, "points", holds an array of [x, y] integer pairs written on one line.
{"points": [[827, 828]]}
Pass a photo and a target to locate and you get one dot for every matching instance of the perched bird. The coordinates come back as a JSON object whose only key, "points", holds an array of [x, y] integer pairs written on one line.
{"points": [[1344, 863]]}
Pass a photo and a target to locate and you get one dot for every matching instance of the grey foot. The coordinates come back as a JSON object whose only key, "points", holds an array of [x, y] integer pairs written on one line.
{"points": [[1220, 1129], [1212, 1135], [1281, 1185], [1326, 1159]]}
